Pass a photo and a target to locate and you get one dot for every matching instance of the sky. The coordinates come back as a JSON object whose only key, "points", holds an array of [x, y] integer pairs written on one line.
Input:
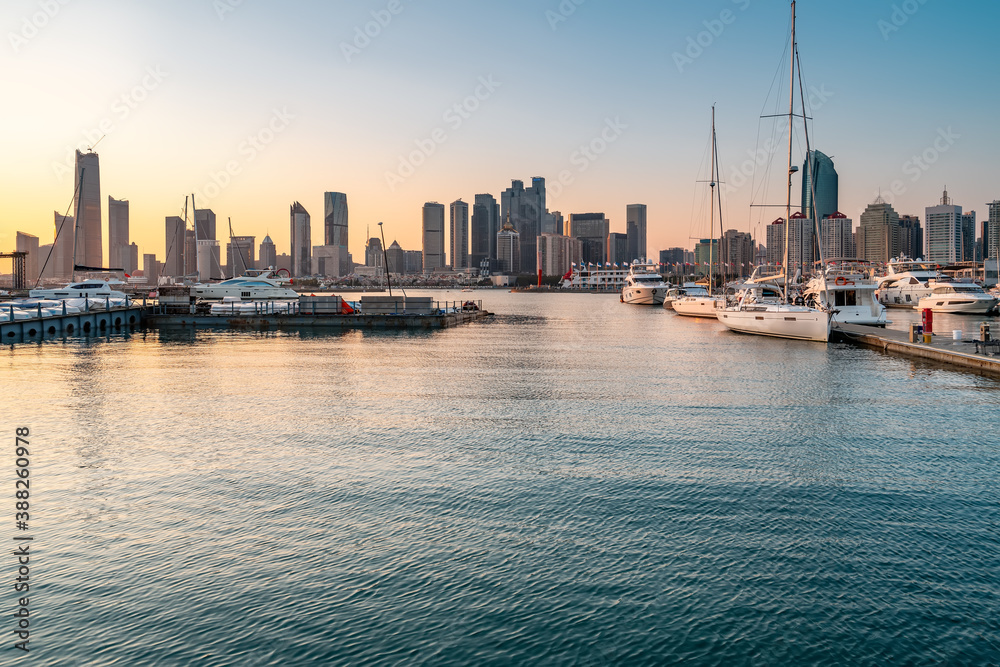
{"points": [[252, 105]]}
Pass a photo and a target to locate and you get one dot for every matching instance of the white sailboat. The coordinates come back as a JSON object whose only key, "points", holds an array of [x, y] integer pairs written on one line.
{"points": [[785, 320], [705, 305]]}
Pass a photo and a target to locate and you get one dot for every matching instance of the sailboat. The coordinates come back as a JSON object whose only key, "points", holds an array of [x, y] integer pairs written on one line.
{"points": [[750, 313], [706, 305]]}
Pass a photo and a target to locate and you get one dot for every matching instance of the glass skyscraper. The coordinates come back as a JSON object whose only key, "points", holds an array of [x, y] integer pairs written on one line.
{"points": [[818, 169]]}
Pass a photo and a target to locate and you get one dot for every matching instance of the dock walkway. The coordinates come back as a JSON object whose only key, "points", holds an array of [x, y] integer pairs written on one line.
{"points": [[961, 353]]}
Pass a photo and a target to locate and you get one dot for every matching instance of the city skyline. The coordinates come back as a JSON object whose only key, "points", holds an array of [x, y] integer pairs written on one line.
{"points": [[425, 126]]}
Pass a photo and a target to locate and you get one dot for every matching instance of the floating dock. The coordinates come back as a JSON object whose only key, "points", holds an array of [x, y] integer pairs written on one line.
{"points": [[973, 354], [90, 322]]}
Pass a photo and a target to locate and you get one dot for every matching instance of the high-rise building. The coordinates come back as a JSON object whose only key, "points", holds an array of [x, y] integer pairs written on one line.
{"points": [[433, 237], [240, 254], [968, 246], [878, 237], [414, 261], [209, 259], [485, 225], [911, 236], [801, 244], [331, 261], [60, 265], [373, 252], [592, 229], [28, 243], [173, 260], [737, 253], [204, 218], [335, 219], [992, 238], [152, 268], [118, 236], [818, 171], [944, 231], [706, 256], [635, 227], [672, 256], [509, 249], [459, 219], [775, 238], [268, 253], [525, 210], [395, 258], [87, 204], [552, 223], [837, 234], [559, 253], [190, 253], [132, 252], [618, 249], [301, 236]]}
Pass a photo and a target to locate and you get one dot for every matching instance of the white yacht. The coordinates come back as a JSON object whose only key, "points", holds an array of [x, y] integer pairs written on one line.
{"points": [[907, 281], [687, 289], [644, 285], [255, 284], [845, 288], [88, 289], [952, 297]]}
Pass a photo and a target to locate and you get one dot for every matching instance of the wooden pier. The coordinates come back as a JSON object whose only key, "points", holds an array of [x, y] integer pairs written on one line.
{"points": [[957, 353]]}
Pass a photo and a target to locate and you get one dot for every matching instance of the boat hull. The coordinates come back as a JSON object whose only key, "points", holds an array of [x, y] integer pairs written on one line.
{"points": [[705, 306], [644, 296], [964, 305], [796, 322]]}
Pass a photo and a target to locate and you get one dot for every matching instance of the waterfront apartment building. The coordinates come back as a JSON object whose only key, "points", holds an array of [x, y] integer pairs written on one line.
{"points": [[635, 229], [268, 255], [559, 253], [706, 257], [485, 226], [459, 220], [911, 236], [968, 246], [204, 220], [837, 236], [673, 256], [509, 249], [944, 231], [618, 249], [173, 260], [802, 244], [593, 230], [118, 235], [775, 239], [301, 237], [87, 205], [433, 237], [991, 237], [878, 237]]}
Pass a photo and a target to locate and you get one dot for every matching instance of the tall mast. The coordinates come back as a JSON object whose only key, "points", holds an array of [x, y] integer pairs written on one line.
{"points": [[791, 170], [197, 246], [718, 195], [711, 207]]}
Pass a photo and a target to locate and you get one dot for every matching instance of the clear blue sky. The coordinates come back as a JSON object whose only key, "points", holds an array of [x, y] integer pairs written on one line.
{"points": [[889, 79]]}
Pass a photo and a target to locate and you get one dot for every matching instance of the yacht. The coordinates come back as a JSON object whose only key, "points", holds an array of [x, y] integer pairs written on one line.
{"points": [[687, 289], [952, 297], [88, 289], [789, 318], [644, 285], [907, 281], [254, 284], [845, 288]]}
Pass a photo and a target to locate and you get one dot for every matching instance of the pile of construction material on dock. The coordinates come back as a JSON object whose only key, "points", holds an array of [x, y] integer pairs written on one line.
{"points": [[318, 311]]}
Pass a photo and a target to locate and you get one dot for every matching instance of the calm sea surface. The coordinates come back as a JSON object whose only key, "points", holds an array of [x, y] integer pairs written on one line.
{"points": [[577, 481]]}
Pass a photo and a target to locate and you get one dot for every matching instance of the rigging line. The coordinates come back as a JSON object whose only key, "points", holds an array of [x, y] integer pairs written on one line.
{"points": [[62, 222], [810, 163]]}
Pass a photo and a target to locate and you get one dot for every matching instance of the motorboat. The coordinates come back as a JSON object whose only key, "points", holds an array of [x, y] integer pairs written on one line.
{"points": [[703, 305], [954, 297], [253, 285], [88, 289], [687, 289], [644, 285], [907, 281], [846, 289]]}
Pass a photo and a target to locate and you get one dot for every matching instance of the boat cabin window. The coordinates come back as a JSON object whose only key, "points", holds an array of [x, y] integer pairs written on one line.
{"points": [[846, 297]]}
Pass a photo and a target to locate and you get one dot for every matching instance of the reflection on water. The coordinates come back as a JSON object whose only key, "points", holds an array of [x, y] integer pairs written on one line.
{"points": [[577, 481]]}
